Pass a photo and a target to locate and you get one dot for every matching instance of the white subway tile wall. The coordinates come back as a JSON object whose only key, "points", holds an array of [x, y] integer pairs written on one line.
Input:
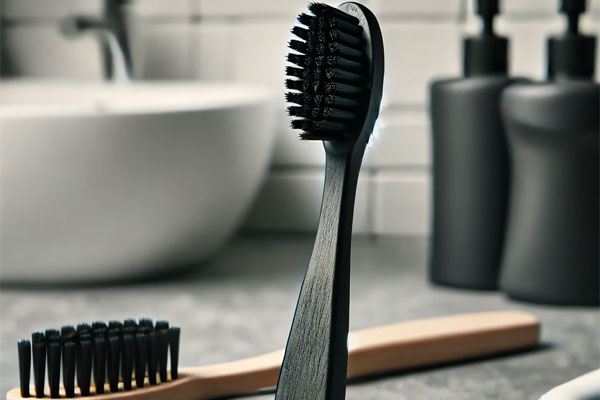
{"points": [[163, 50], [245, 40], [292, 198]]}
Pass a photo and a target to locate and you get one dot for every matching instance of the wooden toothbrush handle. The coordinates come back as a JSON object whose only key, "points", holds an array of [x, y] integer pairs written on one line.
{"points": [[393, 347], [374, 350], [438, 340]]}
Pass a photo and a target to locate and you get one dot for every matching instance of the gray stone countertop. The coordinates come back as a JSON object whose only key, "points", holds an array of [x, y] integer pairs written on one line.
{"points": [[241, 303]]}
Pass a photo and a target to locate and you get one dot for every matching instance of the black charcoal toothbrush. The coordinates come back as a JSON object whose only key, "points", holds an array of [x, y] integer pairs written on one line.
{"points": [[336, 88]]}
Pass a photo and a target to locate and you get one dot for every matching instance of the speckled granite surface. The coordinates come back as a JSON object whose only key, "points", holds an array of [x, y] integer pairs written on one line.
{"points": [[241, 304]]}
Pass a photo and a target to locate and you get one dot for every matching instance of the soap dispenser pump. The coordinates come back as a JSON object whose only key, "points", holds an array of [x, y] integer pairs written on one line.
{"points": [[571, 55], [552, 250], [470, 162]]}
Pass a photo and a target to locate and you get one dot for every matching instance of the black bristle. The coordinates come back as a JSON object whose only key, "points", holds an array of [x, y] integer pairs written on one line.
{"points": [[142, 346], [162, 327], [296, 98], [162, 324], [99, 325], [337, 114], [296, 111], [345, 76], [153, 345], [343, 102], [112, 325], [113, 359], [84, 363], [67, 332], [306, 19], [302, 33], [99, 354], [346, 26], [127, 354], [320, 8], [330, 72], [339, 62], [298, 59], [53, 349], [147, 322], [38, 345], [84, 328], [347, 39], [325, 127], [174, 338], [294, 84], [130, 330], [295, 72], [342, 50], [130, 323], [297, 123], [346, 89], [69, 357], [52, 335], [24, 352], [298, 46]]}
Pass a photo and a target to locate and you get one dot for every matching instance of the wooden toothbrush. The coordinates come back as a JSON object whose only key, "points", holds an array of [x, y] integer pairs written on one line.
{"points": [[403, 345], [336, 88]]}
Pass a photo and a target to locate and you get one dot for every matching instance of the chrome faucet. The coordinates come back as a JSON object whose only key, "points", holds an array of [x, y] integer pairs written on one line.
{"points": [[111, 30]]}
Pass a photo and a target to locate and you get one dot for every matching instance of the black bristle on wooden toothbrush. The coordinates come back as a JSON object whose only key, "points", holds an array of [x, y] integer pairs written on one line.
{"points": [[153, 346], [162, 327], [99, 325], [174, 337], [53, 354], [99, 356], [147, 323], [113, 359], [84, 362], [152, 352], [130, 328], [336, 85], [38, 349], [69, 358], [24, 351], [127, 357], [116, 328], [68, 336], [142, 344]]}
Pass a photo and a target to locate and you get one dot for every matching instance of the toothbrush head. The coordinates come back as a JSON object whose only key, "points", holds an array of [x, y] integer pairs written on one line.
{"points": [[337, 76], [126, 355]]}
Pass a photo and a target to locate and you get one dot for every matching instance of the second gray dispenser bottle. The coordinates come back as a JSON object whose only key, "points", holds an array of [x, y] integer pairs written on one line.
{"points": [[552, 252], [470, 163]]}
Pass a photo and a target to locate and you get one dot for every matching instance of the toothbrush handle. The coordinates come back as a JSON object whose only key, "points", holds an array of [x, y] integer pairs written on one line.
{"points": [[315, 361], [393, 347]]}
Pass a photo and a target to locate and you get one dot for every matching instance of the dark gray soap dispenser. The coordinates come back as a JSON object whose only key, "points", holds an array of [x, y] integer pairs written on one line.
{"points": [[553, 244], [470, 163]]}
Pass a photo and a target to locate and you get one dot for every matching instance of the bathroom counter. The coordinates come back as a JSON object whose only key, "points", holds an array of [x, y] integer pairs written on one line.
{"points": [[241, 304]]}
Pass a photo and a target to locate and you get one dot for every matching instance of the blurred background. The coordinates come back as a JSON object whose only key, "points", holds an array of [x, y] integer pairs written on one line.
{"points": [[244, 41]]}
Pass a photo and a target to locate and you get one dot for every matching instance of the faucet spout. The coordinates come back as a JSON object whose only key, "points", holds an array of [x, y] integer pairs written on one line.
{"points": [[111, 31]]}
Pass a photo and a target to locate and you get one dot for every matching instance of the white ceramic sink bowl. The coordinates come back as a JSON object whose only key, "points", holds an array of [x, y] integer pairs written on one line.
{"points": [[108, 182]]}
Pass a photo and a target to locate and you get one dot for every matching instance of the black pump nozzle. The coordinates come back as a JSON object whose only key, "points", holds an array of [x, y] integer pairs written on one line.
{"points": [[572, 55], [487, 10], [487, 53], [572, 9]]}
